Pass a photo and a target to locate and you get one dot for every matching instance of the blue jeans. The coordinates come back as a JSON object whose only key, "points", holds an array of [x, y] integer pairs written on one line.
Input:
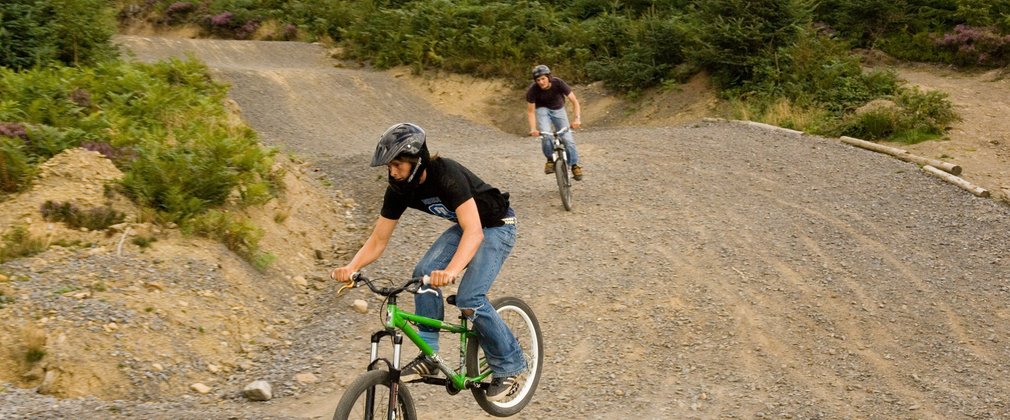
{"points": [[558, 118], [499, 345]]}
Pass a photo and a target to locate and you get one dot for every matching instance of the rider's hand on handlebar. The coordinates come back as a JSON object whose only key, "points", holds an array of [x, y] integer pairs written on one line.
{"points": [[534, 133], [576, 125], [342, 274], [441, 278]]}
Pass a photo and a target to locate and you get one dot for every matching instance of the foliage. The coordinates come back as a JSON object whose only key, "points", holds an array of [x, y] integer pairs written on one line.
{"points": [[41, 32], [16, 167], [732, 39], [18, 242], [163, 124], [914, 117], [143, 242], [98, 218], [236, 234], [4, 300], [972, 46]]}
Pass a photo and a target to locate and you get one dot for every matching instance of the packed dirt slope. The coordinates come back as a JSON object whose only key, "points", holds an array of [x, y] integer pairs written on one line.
{"points": [[709, 269]]}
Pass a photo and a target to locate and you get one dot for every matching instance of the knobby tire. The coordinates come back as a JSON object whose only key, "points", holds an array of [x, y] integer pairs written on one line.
{"points": [[353, 403], [564, 182], [524, 325]]}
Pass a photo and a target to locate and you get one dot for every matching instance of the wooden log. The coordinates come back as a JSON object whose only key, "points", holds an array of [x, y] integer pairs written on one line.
{"points": [[903, 155], [774, 127], [893, 151], [960, 182]]}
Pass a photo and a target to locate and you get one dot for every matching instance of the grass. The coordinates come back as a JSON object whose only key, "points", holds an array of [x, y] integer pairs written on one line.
{"points": [[35, 344], [18, 243]]}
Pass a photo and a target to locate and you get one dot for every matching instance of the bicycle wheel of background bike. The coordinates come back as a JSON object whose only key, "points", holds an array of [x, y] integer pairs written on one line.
{"points": [[354, 403], [564, 183], [524, 325]]}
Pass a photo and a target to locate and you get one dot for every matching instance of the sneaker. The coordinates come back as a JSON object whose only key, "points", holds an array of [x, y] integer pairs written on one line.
{"points": [[421, 366], [502, 388], [549, 167], [577, 172]]}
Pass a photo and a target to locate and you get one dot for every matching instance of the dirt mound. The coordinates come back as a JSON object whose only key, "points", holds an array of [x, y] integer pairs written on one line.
{"points": [[101, 315]]}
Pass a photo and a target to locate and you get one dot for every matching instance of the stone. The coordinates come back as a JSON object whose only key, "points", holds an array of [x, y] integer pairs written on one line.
{"points": [[200, 388], [258, 391]]}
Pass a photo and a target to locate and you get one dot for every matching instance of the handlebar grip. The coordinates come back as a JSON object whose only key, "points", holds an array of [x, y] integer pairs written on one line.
{"points": [[426, 280]]}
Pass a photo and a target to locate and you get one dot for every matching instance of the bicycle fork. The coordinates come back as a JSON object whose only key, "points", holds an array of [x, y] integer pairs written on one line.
{"points": [[394, 385]]}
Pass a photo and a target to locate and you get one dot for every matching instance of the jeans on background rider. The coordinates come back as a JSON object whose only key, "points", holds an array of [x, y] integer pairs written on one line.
{"points": [[547, 118]]}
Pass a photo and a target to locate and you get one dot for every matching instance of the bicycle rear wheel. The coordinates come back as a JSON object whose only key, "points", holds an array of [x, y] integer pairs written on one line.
{"points": [[564, 182], [523, 323], [368, 398]]}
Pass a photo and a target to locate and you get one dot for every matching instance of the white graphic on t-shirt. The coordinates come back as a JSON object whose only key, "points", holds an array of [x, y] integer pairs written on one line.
{"points": [[441, 210]]}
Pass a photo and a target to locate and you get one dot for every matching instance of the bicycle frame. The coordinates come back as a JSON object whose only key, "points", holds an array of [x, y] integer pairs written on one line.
{"points": [[398, 320], [559, 145]]}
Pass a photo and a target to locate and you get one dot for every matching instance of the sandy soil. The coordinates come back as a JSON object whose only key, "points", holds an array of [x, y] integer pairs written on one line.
{"points": [[709, 269]]}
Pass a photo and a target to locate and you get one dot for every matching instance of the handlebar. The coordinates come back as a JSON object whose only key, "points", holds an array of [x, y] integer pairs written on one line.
{"points": [[358, 278], [556, 133]]}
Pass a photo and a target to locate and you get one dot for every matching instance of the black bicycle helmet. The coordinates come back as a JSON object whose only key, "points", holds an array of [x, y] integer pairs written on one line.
{"points": [[540, 71], [400, 139], [403, 139]]}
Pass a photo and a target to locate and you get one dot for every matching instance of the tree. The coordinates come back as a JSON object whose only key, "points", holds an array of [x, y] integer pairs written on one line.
{"points": [[39, 32]]}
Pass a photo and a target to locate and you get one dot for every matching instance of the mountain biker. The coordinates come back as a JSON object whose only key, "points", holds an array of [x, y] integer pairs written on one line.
{"points": [[480, 238], [545, 99]]}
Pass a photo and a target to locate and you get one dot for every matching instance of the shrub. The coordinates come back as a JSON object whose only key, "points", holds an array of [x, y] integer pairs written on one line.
{"points": [[178, 12], [915, 116], [4, 299], [16, 167], [237, 235], [976, 46], [74, 32], [18, 242], [99, 218], [143, 242]]}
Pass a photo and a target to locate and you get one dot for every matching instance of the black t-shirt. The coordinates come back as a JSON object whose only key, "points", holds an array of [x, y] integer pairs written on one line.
{"points": [[553, 98], [446, 186]]}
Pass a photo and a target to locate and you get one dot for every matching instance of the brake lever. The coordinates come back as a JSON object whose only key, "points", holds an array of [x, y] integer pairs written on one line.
{"points": [[354, 283], [426, 281]]}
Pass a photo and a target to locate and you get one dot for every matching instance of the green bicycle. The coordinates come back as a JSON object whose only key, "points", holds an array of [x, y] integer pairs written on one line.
{"points": [[379, 393]]}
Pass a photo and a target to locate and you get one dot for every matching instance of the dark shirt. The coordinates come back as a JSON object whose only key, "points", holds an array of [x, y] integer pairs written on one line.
{"points": [[553, 98], [446, 186]]}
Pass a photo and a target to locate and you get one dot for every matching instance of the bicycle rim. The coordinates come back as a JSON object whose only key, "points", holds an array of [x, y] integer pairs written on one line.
{"points": [[368, 398], [564, 183], [524, 325]]}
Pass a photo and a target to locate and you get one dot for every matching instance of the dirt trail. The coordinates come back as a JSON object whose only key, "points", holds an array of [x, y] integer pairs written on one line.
{"points": [[708, 269]]}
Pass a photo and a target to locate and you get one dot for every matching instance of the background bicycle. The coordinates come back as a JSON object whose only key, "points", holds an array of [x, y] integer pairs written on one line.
{"points": [[562, 172]]}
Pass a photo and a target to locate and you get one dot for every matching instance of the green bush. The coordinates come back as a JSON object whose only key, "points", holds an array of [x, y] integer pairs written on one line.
{"points": [[915, 116], [41, 32], [99, 218], [18, 242], [733, 38], [237, 234], [16, 167]]}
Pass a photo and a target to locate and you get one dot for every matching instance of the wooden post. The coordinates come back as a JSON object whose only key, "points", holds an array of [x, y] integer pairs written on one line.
{"points": [[960, 182], [903, 155]]}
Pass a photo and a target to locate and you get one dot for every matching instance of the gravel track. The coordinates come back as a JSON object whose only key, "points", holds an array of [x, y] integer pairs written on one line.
{"points": [[708, 270]]}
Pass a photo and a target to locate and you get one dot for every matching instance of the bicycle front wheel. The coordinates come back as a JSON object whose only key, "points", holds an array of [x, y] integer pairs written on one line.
{"points": [[564, 182], [368, 397], [520, 319]]}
